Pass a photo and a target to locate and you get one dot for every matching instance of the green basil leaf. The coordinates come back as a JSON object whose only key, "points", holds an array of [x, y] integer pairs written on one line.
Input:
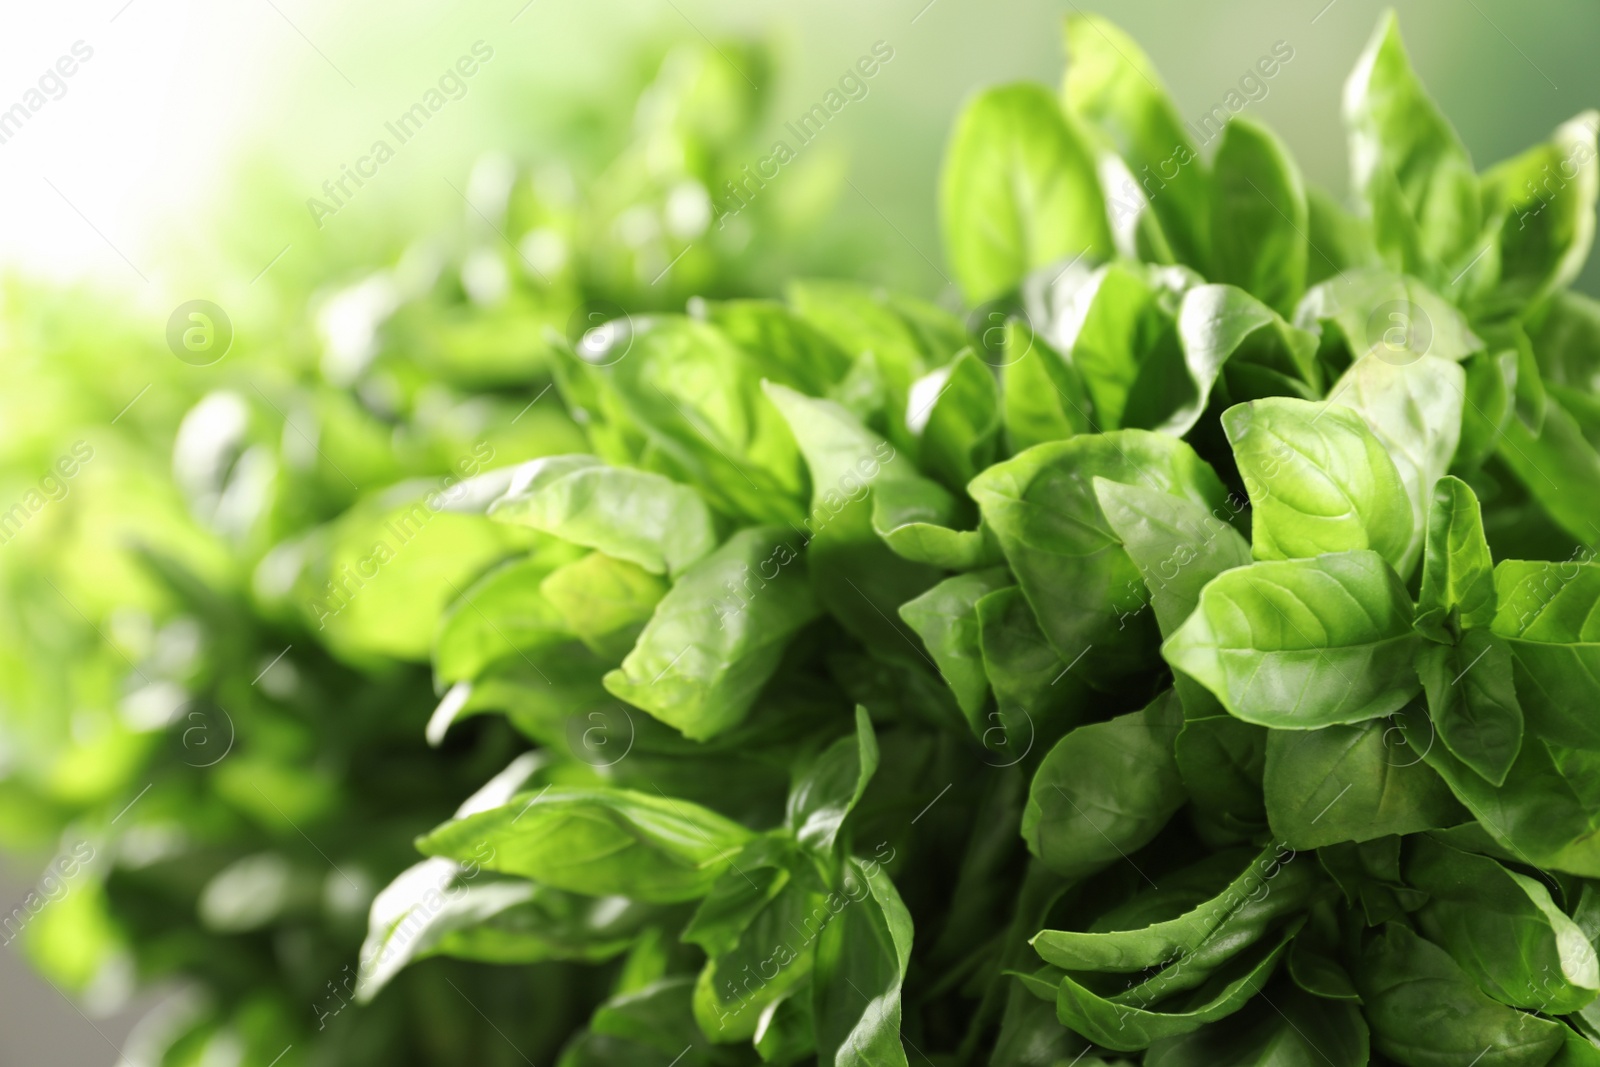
{"points": [[1018, 191], [1285, 890], [1112, 86], [1030, 1035], [1119, 335], [636, 1028], [1104, 791], [1166, 939], [1394, 314], [884, 349], [396, 561], [1301, 644], [1503, 929], [1583, 407], [1179, 547], [1425, 1010], [688, 402], [1135, 227], [1314, 961], [788, 1030], [544, 693], [1350, 783], [1413, 408], [1565, 336], [1530, 398], [857, 578], [888, 351], [655, 1019], [1473, 703], [940, 333], [1258, 216], [1222, 331], [946, 618], [436, 908], [1558, 464], [1042, 508], [760, 871], [1408, 163], [862, 955], [1319, 480], [1177, 544], [1226, 331], [769, 958], [960, 424], [1222, 760], [1457, 571], [1547, 814], [1549, 615], [633, 515], [1036, 695], [1491, 389], [504, 613], [914, 516], [789, 348], [1131, 907], [1545, 202], [605, 602], [1127, 1027], [598, 842], [1339, 241], [1368, 875], [1042, 396], [717, 636], [833, 786], [1286, 1028], [1577, 1049], [858, 319]]}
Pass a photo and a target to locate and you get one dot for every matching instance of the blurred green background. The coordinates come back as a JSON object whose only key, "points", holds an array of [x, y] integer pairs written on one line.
{"points": [[194, 137], [179, 162]]}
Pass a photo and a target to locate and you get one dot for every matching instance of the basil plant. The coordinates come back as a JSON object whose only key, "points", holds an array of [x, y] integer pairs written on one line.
{"points": [[1187, 655]]}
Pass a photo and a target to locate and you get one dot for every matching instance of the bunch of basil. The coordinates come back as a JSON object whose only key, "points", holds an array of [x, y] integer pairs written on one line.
{"points": [[1123, 670], [246, 771]]}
